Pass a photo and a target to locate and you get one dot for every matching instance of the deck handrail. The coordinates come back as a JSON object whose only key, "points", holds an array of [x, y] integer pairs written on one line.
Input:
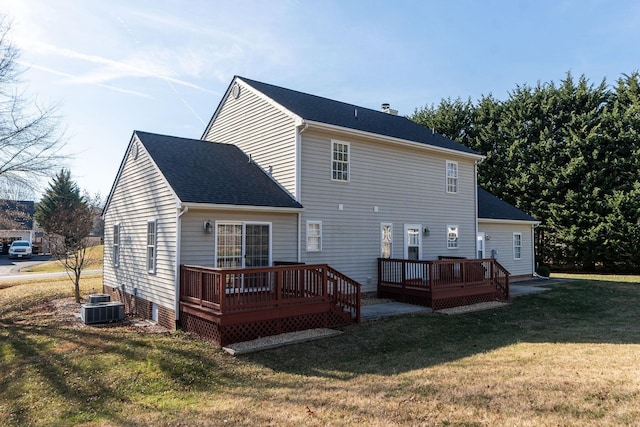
{"points": [[229, 290], [446, 273]]}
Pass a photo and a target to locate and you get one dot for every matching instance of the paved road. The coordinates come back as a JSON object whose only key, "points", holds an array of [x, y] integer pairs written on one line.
{"points": [[10, 269]]}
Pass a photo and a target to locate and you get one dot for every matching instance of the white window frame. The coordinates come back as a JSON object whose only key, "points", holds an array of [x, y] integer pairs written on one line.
{"points": [[152, 246], [315, 247], [453, 243], [386, 239], [451, 181], [115, 247], [335, 162], [517, 246], [412, 230], [243, 240]]}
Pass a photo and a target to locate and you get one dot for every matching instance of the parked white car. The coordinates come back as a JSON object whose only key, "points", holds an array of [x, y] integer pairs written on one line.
{"points": [[20, 249]]}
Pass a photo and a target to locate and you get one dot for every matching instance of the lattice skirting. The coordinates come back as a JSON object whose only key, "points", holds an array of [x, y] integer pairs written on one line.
{"points": [[229, 334], [439, 304], [436, 303]]}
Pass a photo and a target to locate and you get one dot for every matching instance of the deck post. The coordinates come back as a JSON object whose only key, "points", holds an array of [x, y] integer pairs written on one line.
{"points": [[325, 281], [278, 286], [222, 291]]}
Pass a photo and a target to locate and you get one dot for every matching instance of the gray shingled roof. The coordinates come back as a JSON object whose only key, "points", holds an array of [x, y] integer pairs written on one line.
{"points": [[209, 172], [323, 110], [492, 207]]}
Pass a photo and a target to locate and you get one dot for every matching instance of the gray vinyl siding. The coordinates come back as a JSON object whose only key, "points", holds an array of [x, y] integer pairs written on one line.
{"points": [[499, 237], [140, 195], [260, 130], [197, 247], [408, 186]]}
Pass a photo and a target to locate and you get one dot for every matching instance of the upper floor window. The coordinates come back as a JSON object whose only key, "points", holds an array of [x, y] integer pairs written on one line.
{"points": [[314, 236], [339, 161], [116, 245], [386, 242], [151, 246], [452, 177], [517, 245], [452, 237]]}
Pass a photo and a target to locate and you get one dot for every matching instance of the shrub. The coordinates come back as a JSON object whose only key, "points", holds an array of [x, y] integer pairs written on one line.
{"points": [[543, 271]]}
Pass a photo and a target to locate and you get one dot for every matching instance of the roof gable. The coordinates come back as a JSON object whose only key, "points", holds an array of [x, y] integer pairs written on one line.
{"points": [[327, 111], [492, 207], [213, 173]]}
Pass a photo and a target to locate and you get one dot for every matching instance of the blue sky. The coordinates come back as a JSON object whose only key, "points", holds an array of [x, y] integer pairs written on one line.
{"points": [[162, 66]]}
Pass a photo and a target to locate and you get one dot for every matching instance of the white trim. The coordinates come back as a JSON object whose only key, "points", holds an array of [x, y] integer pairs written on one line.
{"points": [[457, 241], [306, 236], [405, 239], [141, 149], [389, 139], [243, 208], [481, 236], [115, 260], [513, 245], [507, 221], [155, 246], [446, 177], [243, 242], [246, 86], [180, 210], [382, 225], [334, 142]]}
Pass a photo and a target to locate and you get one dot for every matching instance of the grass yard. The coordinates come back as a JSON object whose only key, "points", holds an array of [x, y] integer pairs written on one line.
{"points": [[570, 356], [94, 261]]}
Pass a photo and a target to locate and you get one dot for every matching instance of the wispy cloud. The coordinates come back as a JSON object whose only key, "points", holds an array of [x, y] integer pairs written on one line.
{"points": [[72, 77], [114, 69]]}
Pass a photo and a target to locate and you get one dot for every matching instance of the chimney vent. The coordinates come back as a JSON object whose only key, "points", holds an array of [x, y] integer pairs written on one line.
{"points": [[386, 108]]}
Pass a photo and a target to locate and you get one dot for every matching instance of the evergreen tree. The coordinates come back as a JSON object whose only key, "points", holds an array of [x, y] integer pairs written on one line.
{"points": [[568, 154], [65, 216]]}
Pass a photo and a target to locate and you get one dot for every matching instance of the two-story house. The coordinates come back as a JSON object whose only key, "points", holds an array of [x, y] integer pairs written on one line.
{"points": [[281, 176]]}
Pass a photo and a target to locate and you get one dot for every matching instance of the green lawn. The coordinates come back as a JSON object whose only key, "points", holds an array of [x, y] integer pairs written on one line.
{"points": [[570, 356]]}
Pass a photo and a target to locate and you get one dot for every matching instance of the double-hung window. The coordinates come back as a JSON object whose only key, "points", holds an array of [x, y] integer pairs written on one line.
{"points": [[452, 177], [314, 236], [152, 234], [517, 245], [452, 236], [386, 240], [340, 161], [116, 245]]}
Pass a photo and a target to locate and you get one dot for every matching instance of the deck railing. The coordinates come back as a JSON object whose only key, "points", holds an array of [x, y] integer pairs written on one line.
{"points": [[255, 288], [444, 278]]}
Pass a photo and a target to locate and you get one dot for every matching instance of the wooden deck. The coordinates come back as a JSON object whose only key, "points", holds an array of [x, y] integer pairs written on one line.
{"points": [[444, 283], [232, 305]]}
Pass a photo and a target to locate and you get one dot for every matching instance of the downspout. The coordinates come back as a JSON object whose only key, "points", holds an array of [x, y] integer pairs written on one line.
{"points": [[300, 128], [179, 212], [533, 246], [475, 198]]}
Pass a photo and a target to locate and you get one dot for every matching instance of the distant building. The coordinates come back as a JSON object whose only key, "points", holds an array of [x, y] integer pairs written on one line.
{"points": [[16, 222]]}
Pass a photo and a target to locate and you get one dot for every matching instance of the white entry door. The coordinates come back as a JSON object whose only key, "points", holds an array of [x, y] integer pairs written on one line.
{"points": [[480, 245], [412, 241]]}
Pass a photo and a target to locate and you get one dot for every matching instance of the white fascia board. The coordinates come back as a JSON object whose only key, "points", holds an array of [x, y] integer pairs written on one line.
{"points": [[391, 139], [244, 208], [507, 221], [245, 86], [127, 158]]}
